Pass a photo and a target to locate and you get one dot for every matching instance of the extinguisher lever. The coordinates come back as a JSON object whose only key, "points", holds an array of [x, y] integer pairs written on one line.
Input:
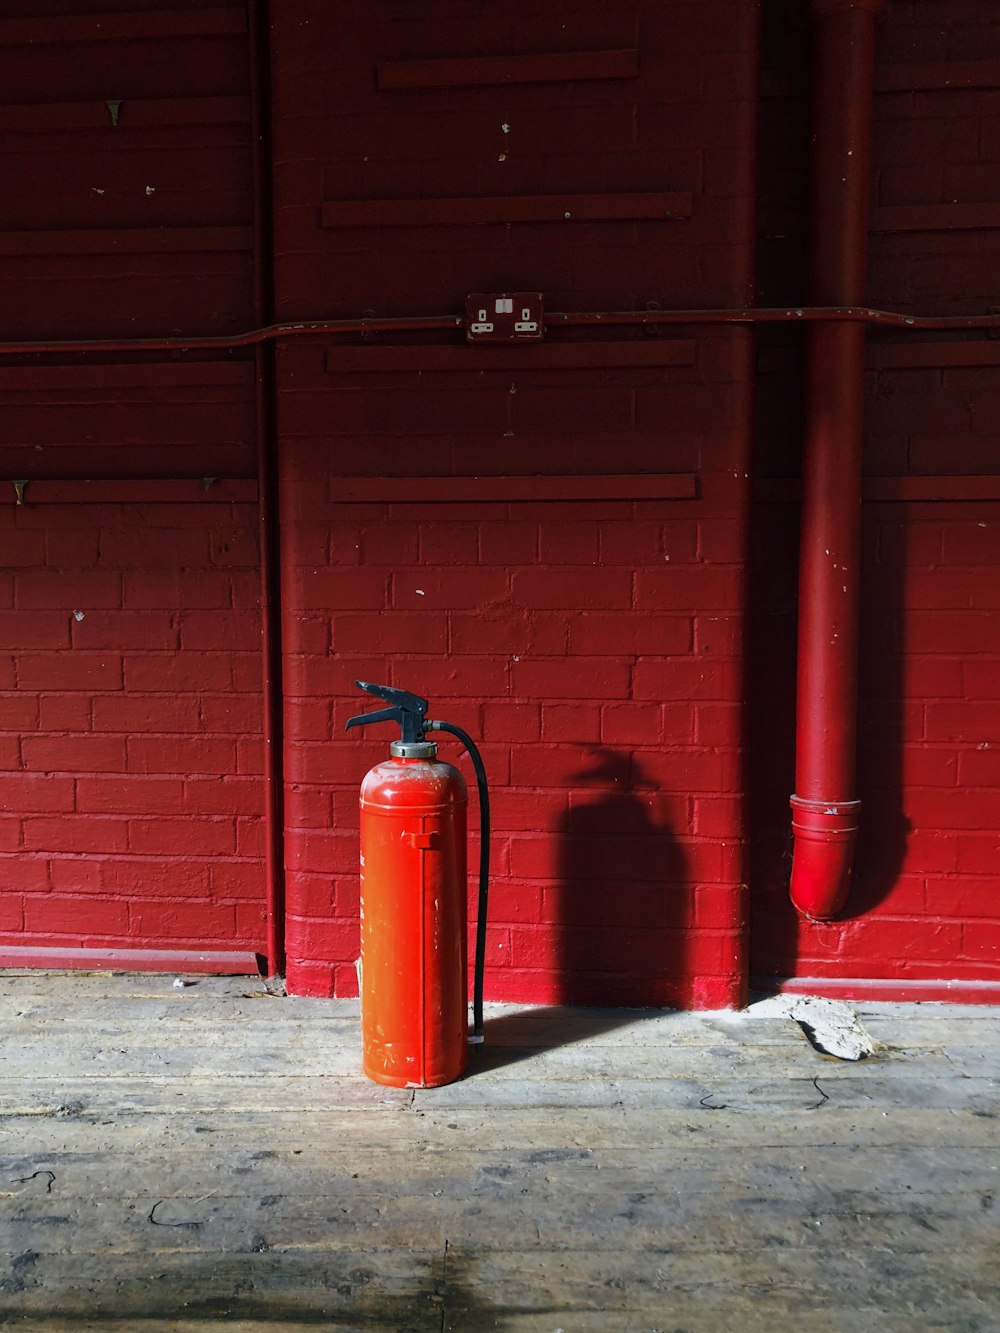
{"points": [[407, 709], [380, 715]]}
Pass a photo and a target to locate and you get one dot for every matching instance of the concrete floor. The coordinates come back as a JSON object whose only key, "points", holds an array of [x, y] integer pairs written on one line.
{"points": [[208, 1157]]}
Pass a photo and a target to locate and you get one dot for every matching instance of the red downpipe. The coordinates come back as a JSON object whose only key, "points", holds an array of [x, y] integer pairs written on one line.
{"points": [[825, 805]]}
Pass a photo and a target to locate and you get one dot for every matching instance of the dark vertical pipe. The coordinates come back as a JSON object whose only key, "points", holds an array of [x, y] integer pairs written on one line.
{"points": [[825, 806], [267, 516], [745, 183]]}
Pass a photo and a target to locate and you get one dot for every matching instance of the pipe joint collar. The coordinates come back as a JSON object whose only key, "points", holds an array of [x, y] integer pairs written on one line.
{"points": [[825, 834], [824, 817]]}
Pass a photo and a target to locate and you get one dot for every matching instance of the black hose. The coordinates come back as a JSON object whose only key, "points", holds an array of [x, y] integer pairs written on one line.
{"points": [[484, 867]]}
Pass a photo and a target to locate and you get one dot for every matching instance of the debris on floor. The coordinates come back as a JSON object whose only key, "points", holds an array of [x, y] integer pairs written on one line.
{"points": [[831, 1025]]}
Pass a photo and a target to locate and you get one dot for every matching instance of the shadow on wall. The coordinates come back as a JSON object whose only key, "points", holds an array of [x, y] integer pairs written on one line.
{"points": [[885, 832], [622, 899], [619, 922]]}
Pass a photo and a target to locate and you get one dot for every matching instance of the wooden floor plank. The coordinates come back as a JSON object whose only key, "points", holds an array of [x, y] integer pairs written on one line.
{"points": [[464, 1129], [545, 1029], [781, 1095]]}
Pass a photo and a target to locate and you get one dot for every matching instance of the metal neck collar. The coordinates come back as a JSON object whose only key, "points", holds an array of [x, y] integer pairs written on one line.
{"points": [[413, 749]]}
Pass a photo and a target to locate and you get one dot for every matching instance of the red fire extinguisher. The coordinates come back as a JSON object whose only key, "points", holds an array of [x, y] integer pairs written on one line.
{"points": [[413, 966]]}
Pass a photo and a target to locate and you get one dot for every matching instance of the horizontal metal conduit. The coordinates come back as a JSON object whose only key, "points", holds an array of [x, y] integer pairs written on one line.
{"points": [[325, 328]]}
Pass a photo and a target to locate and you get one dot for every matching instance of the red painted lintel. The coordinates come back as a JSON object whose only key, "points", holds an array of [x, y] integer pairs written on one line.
{"points": [[218, 962], [483, 72], [946, 489], [879, 989], [501, 209], [144, 113], [937, 217], [937, 76], [141, 490], [401, 490], [933, 355], [904, 76], [120, 375], [146, 25], [931, 488]]}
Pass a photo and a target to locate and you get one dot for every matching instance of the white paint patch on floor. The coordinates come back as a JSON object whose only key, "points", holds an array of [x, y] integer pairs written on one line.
{"points": [[831, 1025]]}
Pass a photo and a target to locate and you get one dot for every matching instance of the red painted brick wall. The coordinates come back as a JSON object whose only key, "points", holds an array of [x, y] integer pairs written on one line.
{"points": [[131, 681], [595, 650], [594, 647], [136, 227], [926, 904], [685, 122], [131, 796]]}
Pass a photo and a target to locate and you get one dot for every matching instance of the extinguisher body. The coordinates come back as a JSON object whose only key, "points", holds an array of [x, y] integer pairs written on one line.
{"points": [[413, 970]]}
